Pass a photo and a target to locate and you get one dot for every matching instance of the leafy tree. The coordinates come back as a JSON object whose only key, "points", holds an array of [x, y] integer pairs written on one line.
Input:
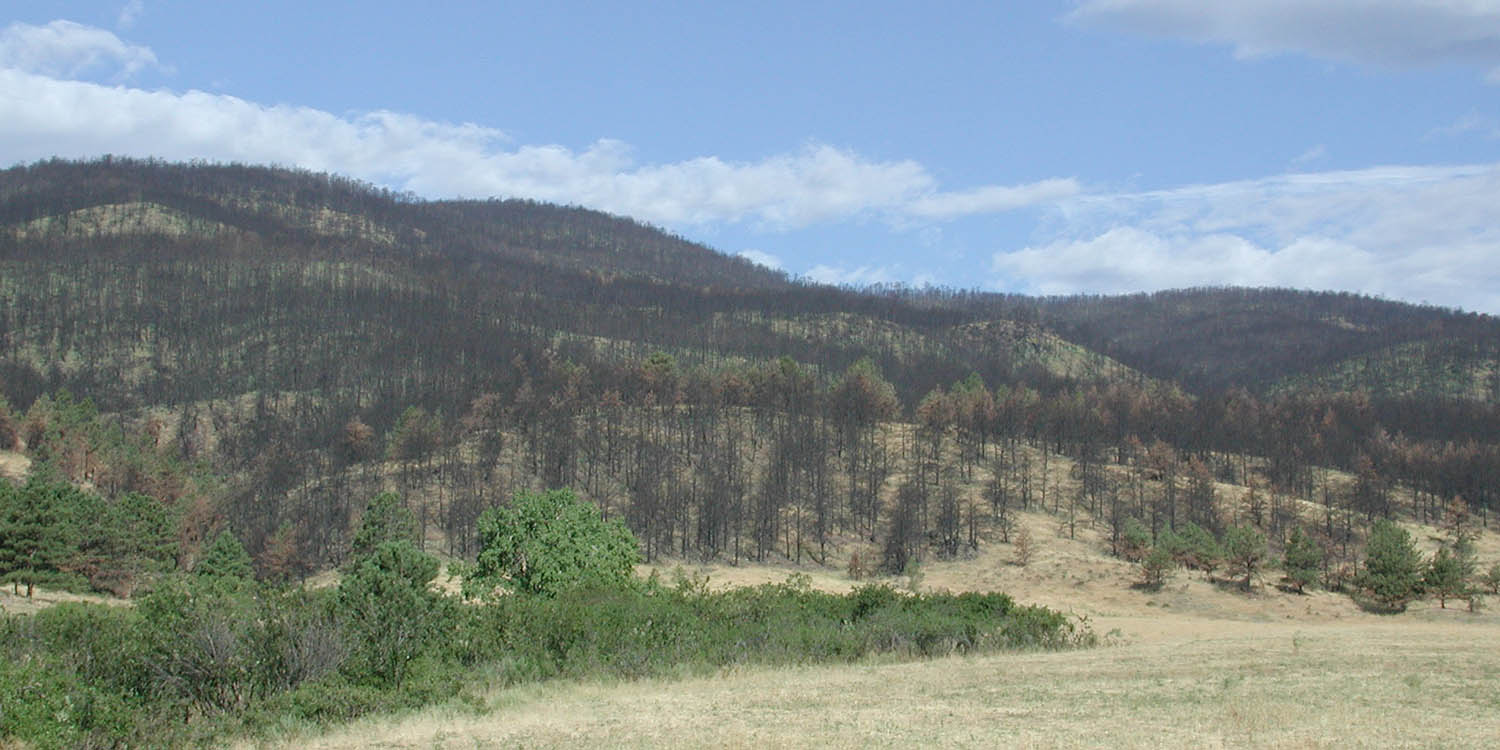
{"points": [[1244, 550], [225, 558], [549, 542], [1392, 573], [1301, 558]]}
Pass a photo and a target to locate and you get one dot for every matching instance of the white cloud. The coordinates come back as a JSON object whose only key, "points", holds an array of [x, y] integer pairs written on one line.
{"points": [[1316, 153], [1469, 123], [1417, 233], [67, 50], [857, 277], [763, 259], [42, 115], [991, 199], [130, 14], [1385, 32]]}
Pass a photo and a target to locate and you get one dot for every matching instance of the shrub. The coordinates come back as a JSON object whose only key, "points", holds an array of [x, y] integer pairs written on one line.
{"points": [[548, 542]]}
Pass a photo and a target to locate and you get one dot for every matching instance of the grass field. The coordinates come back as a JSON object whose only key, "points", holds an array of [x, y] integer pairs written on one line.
{"points": [[1226, 684], [1196, 664]]}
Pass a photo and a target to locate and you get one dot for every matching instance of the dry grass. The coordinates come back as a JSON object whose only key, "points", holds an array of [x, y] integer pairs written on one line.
{"points": [[14, 466], [1196, 664], [13, 603], [1370, 684]]}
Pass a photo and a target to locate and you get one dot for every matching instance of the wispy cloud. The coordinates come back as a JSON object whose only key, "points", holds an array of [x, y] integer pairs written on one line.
{"points": [[991, 199], [858, 277], [1472, 123], [130, 13], [1417, 233], [43, 113], [763, 259], [1314, 154], [65, 49], [1384, 32]]}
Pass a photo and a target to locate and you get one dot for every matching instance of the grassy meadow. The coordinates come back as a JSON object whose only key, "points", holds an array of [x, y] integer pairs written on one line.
{"points": [[1195, 664]]}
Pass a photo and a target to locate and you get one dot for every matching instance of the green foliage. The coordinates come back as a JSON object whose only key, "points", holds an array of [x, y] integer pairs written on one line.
{"points": [[385, 519], [1244, 551], [1491, 578], [1156, 566], [1135, 540], [1392, 573], [225, 557], [38, 530], [1192, 546], [391, 611], [1301, 559], [1444, 577], [549, 542]]}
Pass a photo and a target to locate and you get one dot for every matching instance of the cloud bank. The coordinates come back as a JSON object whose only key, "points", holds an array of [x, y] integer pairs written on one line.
{"points": [[45, 112], [67, 49], [1384, 32], [1416, 233]]}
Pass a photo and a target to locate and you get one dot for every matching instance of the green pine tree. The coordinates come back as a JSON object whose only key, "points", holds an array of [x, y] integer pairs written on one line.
{"points": [[1301, 558], [1392, 573], [225, 558]]}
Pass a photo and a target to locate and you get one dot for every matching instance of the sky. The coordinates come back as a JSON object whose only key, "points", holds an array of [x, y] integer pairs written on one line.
{"points": [[1079, 146]]}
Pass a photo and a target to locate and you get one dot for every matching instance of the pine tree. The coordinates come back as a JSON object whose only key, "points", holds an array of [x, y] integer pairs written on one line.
{"points": [[1301, 559], [1444, 577], [1244, 549], [1392, 573], [225, 558]]}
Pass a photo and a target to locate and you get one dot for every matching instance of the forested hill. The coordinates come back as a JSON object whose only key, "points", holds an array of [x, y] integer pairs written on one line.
{"points": [[304, 341], [284, 213]]}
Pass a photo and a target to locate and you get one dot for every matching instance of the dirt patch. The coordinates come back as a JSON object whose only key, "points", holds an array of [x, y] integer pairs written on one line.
{"points": [[14, 466]]}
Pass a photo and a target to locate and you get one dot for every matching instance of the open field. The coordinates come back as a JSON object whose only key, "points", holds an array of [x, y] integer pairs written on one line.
{"points": [[1196, 664], [1393, 683]]}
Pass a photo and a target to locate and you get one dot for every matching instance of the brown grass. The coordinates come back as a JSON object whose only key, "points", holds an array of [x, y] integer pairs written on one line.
{"points": [[1196, 664], [1371, 684], [14, 466]]}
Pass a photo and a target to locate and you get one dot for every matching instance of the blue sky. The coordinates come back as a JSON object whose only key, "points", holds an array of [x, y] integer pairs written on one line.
{"points": [[1095, 146]]}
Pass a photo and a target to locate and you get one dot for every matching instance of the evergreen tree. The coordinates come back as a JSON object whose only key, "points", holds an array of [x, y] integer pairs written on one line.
{"points": [[225, 558], [1301, 558], [1392, 573], [1156, 565], [38, 534], [1444, 577], [1244, 550], [385, 520], [391, 609]]}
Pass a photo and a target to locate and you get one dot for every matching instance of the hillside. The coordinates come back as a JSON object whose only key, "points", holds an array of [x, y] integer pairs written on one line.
{"points": [[238, 371], [277, 346]]}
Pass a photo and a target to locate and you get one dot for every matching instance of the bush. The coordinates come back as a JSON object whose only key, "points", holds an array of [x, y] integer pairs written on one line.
{"points": [[549, 542]]}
